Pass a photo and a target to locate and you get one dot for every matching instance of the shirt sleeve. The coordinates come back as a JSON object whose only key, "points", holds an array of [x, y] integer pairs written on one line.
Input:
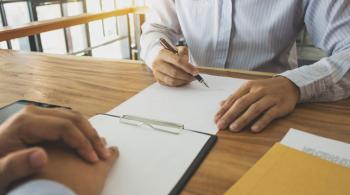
{"points": [[329, 79], [41, 187], [161, 22]]}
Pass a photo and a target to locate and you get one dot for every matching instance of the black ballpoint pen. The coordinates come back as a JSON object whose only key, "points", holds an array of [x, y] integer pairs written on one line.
{"points": [[169, 47]]}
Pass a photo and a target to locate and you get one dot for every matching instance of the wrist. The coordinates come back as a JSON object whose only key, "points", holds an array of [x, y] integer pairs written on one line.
{"points": [[291, 86]]}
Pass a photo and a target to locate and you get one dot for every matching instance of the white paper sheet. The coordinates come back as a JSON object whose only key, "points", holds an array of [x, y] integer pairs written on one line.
{"points": [[193, 105], [150, 162], [328, 149]]}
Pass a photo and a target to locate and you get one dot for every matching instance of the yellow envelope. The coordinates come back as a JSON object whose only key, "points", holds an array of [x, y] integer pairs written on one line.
{"points": [[286, 171]]}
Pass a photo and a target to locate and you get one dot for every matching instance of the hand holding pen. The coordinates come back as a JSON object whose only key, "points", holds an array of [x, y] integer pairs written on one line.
{"points": [[172, 68]]}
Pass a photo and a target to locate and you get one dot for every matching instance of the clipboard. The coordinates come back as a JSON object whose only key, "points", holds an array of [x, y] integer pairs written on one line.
{"points": [[194, 166], [10, 109], [173, 129]]}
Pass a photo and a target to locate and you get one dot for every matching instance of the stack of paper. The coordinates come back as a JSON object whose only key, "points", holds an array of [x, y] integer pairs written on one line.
{"points": [[156, 162], [150, 162], [193, 105], [327, 149]]}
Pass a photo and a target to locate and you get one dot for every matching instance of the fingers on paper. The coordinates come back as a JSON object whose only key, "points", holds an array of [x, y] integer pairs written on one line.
{"points": [[228, 103], [42, 125], [237, 108], [254, 111]]}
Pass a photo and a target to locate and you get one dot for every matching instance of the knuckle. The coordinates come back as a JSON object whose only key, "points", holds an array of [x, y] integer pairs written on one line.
{"points": [[260, 90], [231, 97], [155, 64], [241, 122], [6, 166], [284, 110], [21, 118], [173, 73], [262, 122], [232, 114], [269, 117], [77, 117], [22, 122], [159, 59], [82, 143], [289, 108], [170, 81], [161, 53], [178, 60], [183, 50], [157, 75], [255, 108], [65, 125], [228, 104], [225, 108], [277, 100], [248, 84], [86, 144], [224, 120], [162, 82], [241, 102], [95, 138]]}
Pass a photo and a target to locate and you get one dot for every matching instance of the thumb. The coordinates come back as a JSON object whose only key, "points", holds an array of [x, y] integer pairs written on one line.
{"points": [[114, 155], [21, 164], [183, 51]]}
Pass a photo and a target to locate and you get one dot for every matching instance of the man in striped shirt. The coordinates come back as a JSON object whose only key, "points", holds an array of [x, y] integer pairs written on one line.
{"points": [[252, 35]]}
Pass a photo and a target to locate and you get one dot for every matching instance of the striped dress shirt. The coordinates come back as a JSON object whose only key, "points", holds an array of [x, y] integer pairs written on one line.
{"points": [[258, 35]]}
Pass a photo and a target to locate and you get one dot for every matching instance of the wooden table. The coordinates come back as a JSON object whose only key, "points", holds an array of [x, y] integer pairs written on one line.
{"points": [[93, 86]]}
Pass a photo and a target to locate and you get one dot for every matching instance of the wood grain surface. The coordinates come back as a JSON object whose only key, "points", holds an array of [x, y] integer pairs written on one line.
{"points": [[93, 85]]}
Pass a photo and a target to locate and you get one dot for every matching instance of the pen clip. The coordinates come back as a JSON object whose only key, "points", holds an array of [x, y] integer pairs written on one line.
{"points": [[164, 126], [168, 46], [158, 125]]}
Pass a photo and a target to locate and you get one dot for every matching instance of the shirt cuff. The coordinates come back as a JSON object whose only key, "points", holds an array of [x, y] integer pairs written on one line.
{"points": [[309, 81], [41, 187], [150, 47], [152, 55]]}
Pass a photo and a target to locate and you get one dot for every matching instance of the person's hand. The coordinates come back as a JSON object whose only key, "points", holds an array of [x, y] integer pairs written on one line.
{"points": [[80, 176], [34, 125], [19, 165], [173, 70], [258, 103]]}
